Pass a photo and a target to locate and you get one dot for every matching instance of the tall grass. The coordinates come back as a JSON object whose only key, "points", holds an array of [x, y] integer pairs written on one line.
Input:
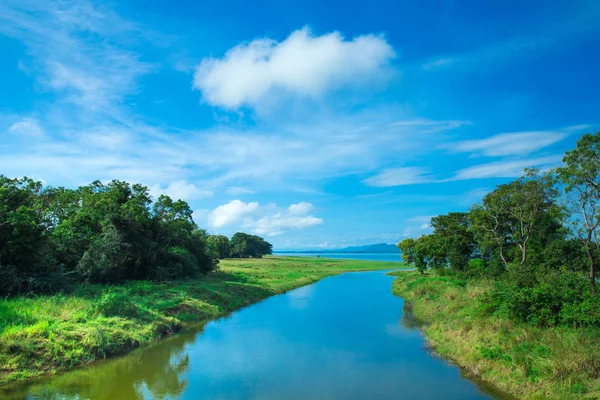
{"points": [[526, 361]]}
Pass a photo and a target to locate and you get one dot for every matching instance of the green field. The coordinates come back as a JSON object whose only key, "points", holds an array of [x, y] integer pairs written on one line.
{"points": [[520, 359], [45, 334]]}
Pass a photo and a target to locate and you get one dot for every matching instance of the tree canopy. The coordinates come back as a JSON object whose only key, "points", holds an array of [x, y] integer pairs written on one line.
{"points": [[534, 236], [51, 238]]}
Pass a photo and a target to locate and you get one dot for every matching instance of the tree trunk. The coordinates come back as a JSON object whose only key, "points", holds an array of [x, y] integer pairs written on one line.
{"points": [[593, 276], [592, 267], [502, 256]]}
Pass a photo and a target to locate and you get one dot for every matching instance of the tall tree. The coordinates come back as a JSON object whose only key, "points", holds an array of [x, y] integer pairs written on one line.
{"points": [[512, 214], [580, 176]]}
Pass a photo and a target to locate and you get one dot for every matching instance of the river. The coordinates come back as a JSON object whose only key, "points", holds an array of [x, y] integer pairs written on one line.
{"points": [[345, 337]]}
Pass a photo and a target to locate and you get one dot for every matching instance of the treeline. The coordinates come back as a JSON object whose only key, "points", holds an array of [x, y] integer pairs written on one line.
{"points": [[536, 237], [53, 238], [241, 245]]}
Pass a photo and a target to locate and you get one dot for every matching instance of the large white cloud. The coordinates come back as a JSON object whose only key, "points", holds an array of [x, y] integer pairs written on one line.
{"points": [[231, 213], [268, 220], [302, 64]]}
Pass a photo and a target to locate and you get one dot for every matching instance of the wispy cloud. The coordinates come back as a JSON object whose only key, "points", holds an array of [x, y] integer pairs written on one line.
{"points": [[180, 190], [505, 169], [28, 127], [579, 22], [515, 143], [399, 177], [303, 64], [77, 45]]}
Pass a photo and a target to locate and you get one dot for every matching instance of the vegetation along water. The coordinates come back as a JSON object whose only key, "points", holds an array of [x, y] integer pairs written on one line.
{"points": [[46, 334], [509, 289], [345, 337]]}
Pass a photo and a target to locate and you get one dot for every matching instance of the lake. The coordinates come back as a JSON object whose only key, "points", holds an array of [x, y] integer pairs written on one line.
{"points": [[393, 257], [345, 337]]}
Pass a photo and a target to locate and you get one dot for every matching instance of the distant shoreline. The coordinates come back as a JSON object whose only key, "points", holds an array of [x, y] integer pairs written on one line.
{"points": [[335, 252]]}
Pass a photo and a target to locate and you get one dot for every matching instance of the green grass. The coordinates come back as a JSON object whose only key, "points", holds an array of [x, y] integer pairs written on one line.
{"points": [[46, 334], [520, 359]]}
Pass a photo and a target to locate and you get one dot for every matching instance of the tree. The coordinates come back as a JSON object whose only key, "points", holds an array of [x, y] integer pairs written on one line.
{"points": [[456, 238], [409, 254], [581, 179], [96, 233], [26, 263], [218, 246], [513, 213], [244, 245]]}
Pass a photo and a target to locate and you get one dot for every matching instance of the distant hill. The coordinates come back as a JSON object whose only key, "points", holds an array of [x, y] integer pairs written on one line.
{"points": [[371, 248]]}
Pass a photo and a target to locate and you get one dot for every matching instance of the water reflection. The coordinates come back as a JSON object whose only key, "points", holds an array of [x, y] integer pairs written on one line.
{"points": [[345, 337], [159, 372]]}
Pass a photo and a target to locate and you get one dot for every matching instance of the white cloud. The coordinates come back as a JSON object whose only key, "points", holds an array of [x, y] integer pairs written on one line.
{"points": [[505, 169], [279, 223], [231, 213], [516, 143], [302, 208], [26, 127], [302, 64], [399, 177], [76, 47], [267, 220], [180, 190]]}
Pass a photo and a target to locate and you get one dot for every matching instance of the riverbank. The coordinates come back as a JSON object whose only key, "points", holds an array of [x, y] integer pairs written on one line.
{"points": [[523, 360], [47, 334]]}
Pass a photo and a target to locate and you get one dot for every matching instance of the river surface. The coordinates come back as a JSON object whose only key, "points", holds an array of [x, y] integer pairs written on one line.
{"points": [[345, 337], [393, 257]]}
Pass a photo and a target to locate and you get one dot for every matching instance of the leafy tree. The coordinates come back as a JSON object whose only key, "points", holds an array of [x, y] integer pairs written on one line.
{"points": [[96, 233], [455, 237], [513, 213], [244, 245], [408, 248], [218, 246], [580, 176]]}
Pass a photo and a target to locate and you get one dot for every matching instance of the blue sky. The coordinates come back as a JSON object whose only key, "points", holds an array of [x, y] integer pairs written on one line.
{"points": [[315, 124]]}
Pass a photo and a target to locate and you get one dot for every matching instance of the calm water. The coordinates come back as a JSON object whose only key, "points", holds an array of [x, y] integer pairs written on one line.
{"points": [[349, 256], [344, 337]]}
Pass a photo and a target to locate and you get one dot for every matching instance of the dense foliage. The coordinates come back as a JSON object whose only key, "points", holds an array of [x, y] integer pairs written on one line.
{"points": [[241, 245], [244, 246], [51, 238], [536, 237]]}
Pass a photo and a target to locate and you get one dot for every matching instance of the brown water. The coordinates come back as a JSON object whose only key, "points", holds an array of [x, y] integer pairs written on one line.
{"points": [[345, 337]]}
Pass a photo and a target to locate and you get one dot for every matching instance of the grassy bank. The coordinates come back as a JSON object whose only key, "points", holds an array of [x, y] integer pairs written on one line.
{"points": [[526, 361], [45, 334]]}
